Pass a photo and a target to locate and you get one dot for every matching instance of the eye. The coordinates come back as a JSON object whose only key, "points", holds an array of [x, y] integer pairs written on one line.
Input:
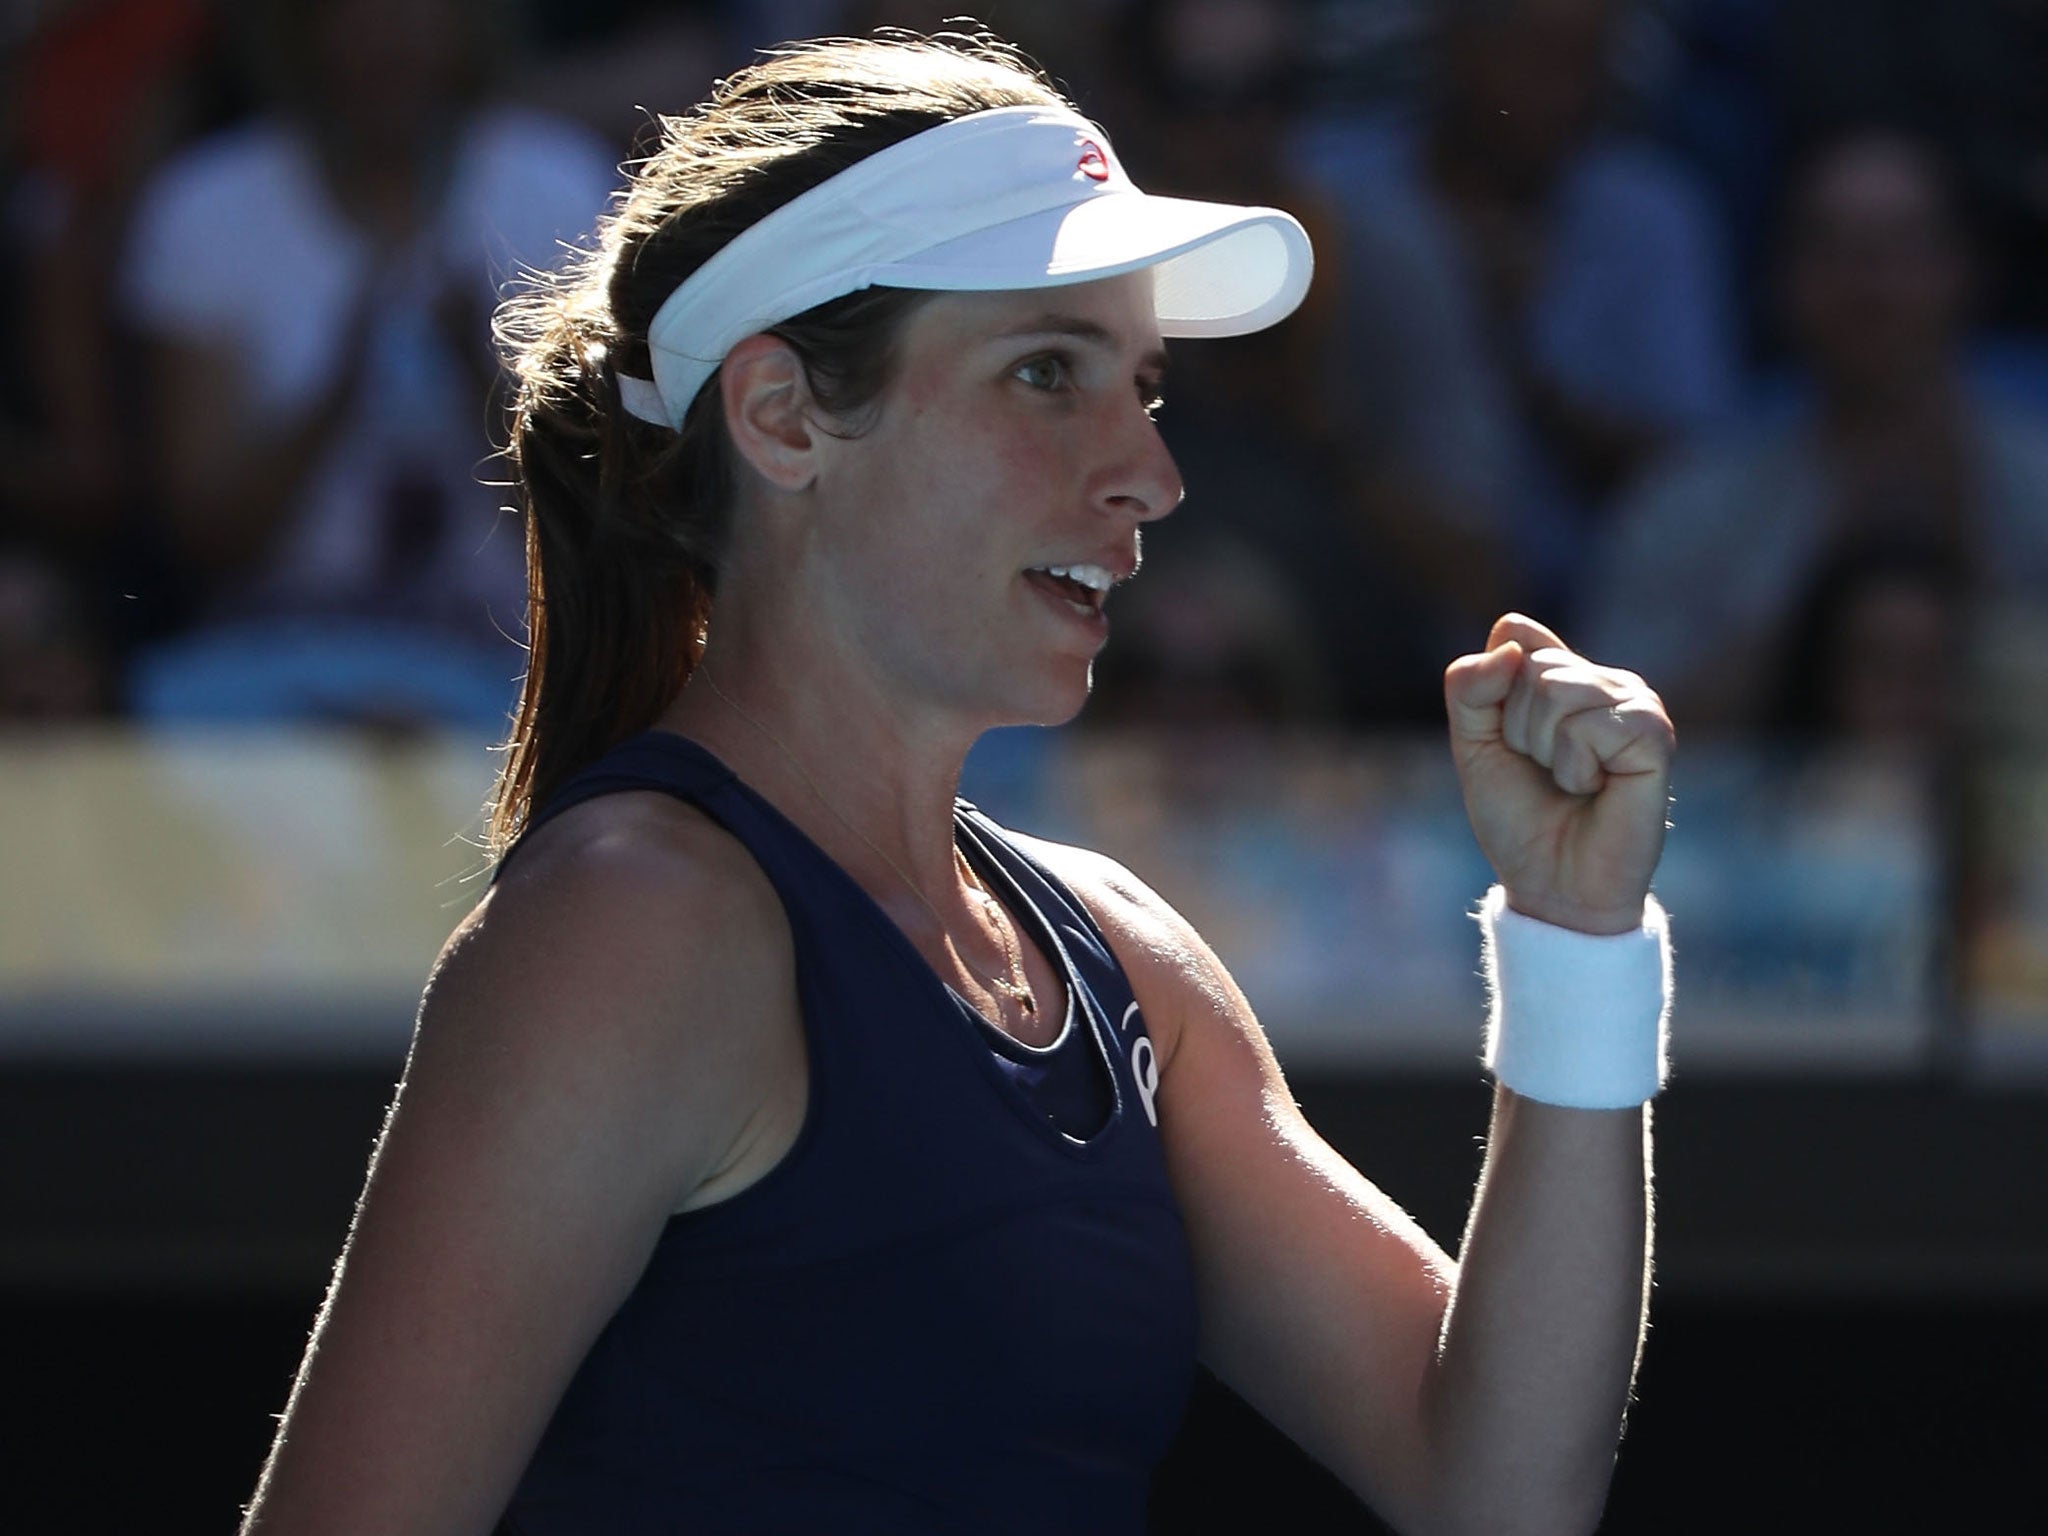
{"points": [[1049, 371], [1150, 400]]}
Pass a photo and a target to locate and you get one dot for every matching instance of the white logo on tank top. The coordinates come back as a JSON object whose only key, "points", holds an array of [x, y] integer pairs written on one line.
{"points": [[1144, 1065], [1145, 1068]]}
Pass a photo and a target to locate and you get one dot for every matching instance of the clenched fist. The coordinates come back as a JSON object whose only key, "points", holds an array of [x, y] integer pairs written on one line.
{"points": [[1566, 770]]}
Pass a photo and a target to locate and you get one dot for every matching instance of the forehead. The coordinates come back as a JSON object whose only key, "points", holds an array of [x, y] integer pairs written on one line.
{"points": [[1114, 313]]}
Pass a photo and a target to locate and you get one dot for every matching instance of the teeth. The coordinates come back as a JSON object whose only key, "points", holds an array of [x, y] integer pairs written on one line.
{"points": [[1093, 577]]}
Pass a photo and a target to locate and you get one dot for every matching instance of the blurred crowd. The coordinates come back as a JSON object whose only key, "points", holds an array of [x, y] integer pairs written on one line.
{"points": [[1711, 331]]}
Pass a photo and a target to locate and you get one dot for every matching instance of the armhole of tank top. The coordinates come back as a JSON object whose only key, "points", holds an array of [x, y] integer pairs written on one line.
{"points": [[974, 835], [987, 835], [1023, 1051], [1088, 1009]]}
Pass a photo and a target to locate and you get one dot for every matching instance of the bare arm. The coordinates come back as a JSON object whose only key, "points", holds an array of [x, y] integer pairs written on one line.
{"points": [[1485, 1395], [592, 1050], [1541, 1342]]}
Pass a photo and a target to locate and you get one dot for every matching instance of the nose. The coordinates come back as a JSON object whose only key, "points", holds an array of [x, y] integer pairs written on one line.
{"points": [[1142, 482]]}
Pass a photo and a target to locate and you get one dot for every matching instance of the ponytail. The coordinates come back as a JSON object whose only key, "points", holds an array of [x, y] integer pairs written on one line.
{"points": [[624, 525]]}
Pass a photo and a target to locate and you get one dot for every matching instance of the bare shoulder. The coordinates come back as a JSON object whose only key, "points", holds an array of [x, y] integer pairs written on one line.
{"points": [[632, 941], [629, 890], [1116, 898], [636, 846]]}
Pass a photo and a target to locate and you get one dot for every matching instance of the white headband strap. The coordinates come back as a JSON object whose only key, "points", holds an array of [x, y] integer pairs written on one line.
{"points": [[640, 397], [1015, 197]]}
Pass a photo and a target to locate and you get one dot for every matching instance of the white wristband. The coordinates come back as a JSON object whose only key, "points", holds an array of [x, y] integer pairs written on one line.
{"points": [[1577, 1019]]}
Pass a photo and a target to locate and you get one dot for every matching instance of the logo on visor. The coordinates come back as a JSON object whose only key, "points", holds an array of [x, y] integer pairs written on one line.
{"points": [[1094, 164]]}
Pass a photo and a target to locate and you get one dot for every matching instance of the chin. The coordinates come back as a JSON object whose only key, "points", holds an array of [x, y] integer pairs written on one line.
{"points": [[1058, 701]]}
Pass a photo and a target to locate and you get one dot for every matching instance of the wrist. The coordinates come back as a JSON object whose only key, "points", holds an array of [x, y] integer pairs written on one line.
{"points": [[1577, 1018], [1560, 912]]}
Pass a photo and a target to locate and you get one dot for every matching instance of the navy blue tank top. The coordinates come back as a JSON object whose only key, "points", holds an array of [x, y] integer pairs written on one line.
{"points": [[939, 1313]]}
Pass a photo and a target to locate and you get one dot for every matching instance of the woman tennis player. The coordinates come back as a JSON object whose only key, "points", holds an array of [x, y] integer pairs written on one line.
{"points": [[785, 1147]]}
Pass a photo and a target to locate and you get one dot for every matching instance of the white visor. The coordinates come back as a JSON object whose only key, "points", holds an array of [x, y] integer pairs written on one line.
{"points": [[1016, 197]]}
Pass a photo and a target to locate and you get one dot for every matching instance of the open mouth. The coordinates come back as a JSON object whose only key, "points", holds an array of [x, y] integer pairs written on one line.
{"points": [[1084, 586]]}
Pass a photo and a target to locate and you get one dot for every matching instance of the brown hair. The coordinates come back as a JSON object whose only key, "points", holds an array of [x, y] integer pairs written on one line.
{"points": [[625, 521]]}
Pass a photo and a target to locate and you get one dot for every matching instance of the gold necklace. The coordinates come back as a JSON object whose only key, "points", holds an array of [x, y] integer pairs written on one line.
{"points": [[1016, 988]]}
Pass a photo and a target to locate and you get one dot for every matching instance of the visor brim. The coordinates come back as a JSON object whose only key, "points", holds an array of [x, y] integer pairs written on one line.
{"points": [[1221, 269]]}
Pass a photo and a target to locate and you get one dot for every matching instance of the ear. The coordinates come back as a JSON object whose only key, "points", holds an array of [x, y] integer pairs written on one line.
{"points": [[769, 411]]}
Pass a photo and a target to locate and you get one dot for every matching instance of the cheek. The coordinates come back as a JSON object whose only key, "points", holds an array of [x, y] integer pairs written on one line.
{"points": [[1010, 453], [967, 467], [1023, 459]]}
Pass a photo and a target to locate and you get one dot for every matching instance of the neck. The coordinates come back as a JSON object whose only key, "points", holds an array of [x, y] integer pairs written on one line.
{"points": [[868, 784], [925, 878], [862, 760]]}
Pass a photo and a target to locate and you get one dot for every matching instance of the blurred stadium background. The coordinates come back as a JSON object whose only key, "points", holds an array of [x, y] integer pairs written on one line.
{"points": [[1715, 331]]}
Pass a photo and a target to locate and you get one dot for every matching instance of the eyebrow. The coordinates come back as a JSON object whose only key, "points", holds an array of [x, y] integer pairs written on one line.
{"points": [[1079, 328]]}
